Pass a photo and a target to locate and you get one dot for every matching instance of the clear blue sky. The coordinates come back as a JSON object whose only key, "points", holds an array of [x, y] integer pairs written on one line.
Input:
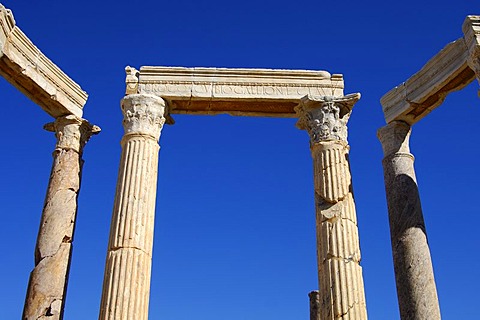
{"points": [[235, 235]]}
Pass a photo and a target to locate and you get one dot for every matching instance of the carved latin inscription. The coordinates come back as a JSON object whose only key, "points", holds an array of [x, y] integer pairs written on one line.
{"points": [[208, 89]]}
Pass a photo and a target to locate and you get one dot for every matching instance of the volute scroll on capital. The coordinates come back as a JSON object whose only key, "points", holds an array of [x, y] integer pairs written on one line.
{"points": [[143, 114], [325, 117]]}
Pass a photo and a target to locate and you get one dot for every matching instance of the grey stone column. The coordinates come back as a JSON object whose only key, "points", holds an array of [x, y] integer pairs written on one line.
{"points": [[341, 293], [126, 286], [416, 290], [48, 281], [314, 305]]}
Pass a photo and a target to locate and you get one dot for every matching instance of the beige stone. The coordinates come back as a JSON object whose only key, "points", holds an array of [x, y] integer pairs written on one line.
{"points": [[153, 93], [471, 34], [126, 285], [48, 280], [454, 67], [423, 92], [341, 292], [245, 92], [451, 69], [30, 71]]}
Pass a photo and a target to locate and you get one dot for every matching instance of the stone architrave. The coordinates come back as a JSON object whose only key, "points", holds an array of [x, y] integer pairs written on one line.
{"points": [[30, 71], [238, 92], [424, 91], [451, 69], [416, 290], [341, 292], [48, 281], [126, 285]]}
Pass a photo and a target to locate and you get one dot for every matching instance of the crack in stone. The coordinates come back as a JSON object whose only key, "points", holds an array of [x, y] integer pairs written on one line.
{"points": [[39, 258], [350, 258], [132, 247], [347, 311], [334, 219]]}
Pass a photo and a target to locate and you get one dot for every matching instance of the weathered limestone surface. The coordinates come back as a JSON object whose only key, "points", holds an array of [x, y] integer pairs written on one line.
{"points": [[471, 34], [454, 67], [446, 72], [314, 305], [30, 71], [48, 280], [245, 92], [341, 292], [126, 284], [416, 290]]}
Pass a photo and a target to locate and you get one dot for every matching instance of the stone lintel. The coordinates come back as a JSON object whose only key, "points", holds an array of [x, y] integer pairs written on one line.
{"points": [[30, 71], [245, 92], [447, 71]]}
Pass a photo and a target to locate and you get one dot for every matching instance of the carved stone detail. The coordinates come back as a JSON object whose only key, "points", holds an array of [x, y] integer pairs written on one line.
{"points": [[143, 114], [126, 286], [341, 292], [131, 80], [325, 117]]}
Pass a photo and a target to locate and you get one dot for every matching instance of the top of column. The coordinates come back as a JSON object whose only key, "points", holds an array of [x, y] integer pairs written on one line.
{"points": [[245, 92], [395, 138], [326, 117]]}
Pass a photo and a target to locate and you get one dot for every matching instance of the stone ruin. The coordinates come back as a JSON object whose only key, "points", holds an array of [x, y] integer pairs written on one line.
{"points": [[315, 98]]}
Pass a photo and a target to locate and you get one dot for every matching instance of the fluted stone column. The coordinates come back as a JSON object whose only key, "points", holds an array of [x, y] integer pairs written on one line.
{"points": [[47, 286], [126, 286], [416, 290], [341, 292]]}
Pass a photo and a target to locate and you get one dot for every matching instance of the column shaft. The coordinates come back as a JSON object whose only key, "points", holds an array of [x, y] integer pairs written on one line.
{"points": [[126, 286], [341, 293], [416, 290], [48, 281]]}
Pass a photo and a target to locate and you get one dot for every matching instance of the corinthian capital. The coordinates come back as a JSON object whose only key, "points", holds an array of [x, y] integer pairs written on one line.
{"points": [[143, 114], [325, 117]]}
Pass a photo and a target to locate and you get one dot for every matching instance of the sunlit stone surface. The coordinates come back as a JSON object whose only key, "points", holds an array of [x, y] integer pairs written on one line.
{"points": [[126, 286], [341, 293]]}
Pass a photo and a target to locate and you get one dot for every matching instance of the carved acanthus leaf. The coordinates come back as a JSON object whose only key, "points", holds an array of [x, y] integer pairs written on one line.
{"points": [[325, 117], [143, 114]]}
